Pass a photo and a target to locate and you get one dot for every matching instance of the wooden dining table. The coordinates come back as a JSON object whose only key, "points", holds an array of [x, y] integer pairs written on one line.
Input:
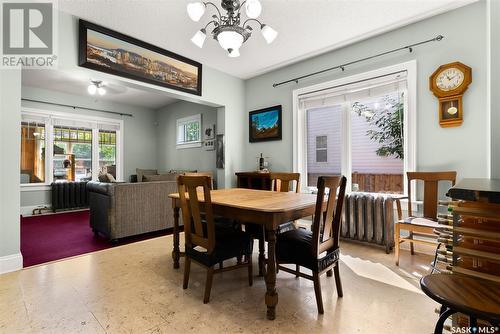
{"points": [[267, 208]]}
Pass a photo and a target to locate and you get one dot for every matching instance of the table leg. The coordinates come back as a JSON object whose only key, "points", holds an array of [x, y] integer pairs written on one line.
{"points": [[271, 293], [176, 253], [262, 257]]}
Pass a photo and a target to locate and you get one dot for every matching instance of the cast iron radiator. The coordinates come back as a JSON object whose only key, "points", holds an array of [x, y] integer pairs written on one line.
{"points": [[370, 218], [69, 195]]}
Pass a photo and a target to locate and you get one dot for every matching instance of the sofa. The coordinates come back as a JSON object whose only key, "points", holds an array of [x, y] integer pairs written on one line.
{"points": [[119, 210]]}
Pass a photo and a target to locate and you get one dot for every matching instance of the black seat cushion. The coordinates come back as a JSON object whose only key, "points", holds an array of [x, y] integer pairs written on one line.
{"points": [[295, 247], [220, 224], [230, 242], [256, 229]]}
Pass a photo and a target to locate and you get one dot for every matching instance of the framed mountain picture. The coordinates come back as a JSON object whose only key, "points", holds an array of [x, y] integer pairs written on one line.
{"points": [[108, 51], [265, 124]]}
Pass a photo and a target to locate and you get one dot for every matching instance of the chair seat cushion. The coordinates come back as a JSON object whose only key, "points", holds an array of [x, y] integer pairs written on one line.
{"points": [[295, 247], [229, 243], [256, 229]]}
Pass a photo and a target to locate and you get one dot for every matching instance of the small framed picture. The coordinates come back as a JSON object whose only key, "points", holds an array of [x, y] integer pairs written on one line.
{"points": [[209, 132], [265, 124]]}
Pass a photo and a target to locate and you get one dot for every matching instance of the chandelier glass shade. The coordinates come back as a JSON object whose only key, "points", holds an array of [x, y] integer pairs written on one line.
{"points": [[228, 29]]}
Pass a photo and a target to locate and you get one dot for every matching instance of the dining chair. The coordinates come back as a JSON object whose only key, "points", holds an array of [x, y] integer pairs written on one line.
{"points": [[317, 250], [208, 243], [281, 182], [426, 225], [209, 174]]}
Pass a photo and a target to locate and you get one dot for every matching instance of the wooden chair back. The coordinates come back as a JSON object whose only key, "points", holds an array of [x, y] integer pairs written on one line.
{"points": [[431, 180], [326, 224], [209, 174], [194, 212], [283, 182]]}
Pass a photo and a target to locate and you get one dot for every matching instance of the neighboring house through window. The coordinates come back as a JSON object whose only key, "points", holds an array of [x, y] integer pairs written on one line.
{"points": [[321, 149], [362, 127]]}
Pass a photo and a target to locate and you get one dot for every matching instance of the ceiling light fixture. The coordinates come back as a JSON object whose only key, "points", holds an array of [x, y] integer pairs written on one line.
{"points": [[228, 30], [96, 86]]}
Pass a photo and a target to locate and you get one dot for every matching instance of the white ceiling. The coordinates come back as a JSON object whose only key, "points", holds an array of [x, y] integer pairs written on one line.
{"points": [[306, 27], [76, 83]]}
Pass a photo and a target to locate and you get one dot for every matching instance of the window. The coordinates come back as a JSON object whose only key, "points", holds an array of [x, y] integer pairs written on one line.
{"points": [[107, 149], [32, 152], [358, 127], [72, 154], [189, 132], [57, 148], [321, 149]]}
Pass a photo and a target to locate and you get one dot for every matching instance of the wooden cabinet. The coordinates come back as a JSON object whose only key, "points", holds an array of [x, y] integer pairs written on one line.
{"points": [[476, 228], [253, 180]]}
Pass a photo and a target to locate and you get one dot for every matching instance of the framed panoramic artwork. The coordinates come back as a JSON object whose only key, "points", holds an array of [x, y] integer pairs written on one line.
{"points": [[265, 124], [108, 51]]}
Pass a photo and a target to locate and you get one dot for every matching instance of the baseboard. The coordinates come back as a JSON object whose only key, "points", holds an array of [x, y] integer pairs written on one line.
{"points": [[28, 210], [10, 263]]}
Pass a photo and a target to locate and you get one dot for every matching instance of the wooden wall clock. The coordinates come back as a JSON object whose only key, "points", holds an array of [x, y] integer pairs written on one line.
{"points": [[449, 83]]}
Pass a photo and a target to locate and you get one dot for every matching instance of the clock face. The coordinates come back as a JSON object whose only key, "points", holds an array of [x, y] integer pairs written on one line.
{"points": [[450, 79]]}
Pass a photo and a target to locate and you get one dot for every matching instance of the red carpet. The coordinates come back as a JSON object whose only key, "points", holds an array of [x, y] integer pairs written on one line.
{"points": [[54, 237]]}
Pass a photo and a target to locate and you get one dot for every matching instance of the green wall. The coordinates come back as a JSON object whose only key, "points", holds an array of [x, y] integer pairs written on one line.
{"points": [[464, 148], [10, 142]]}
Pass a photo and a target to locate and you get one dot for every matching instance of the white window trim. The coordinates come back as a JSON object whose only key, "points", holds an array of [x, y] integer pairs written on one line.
{"points": [[410, 120], [185, 120], [49, 130]]}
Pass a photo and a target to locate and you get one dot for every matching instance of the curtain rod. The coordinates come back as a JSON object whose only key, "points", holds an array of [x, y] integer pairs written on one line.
{"points": [[410, 47], [77, 107], [353, 82]]}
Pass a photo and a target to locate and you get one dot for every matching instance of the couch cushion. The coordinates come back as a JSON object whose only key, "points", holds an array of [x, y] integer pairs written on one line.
{"points": [[161, 177], [142, 172]]}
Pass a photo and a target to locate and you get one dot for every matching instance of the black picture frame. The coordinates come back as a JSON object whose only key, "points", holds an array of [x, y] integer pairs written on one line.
{"points": [[104, 64], [272, 134]]}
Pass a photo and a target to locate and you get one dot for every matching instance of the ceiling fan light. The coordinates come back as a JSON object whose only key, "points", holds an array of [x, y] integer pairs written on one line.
{"points": [[253, 8], [230, 40], [234, 53], [196, 10], [268, 33], [101, 91], [199, 38], [92, 89]]}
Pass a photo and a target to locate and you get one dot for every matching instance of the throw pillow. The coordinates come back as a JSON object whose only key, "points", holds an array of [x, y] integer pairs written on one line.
{"points": [[182, 171], [102, 177], [142, 172], [161, 177], [111, 178]]}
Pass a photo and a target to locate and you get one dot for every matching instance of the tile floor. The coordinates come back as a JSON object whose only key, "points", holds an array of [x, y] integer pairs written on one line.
{"points": [[134, 289]]}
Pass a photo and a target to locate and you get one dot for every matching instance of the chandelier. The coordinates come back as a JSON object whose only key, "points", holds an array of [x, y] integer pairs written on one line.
{"points": [[227, 29]]}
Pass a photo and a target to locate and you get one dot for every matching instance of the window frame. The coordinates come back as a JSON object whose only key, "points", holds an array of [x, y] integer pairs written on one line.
{"points": [[183, 121], [410, 101], [50, 115]]}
